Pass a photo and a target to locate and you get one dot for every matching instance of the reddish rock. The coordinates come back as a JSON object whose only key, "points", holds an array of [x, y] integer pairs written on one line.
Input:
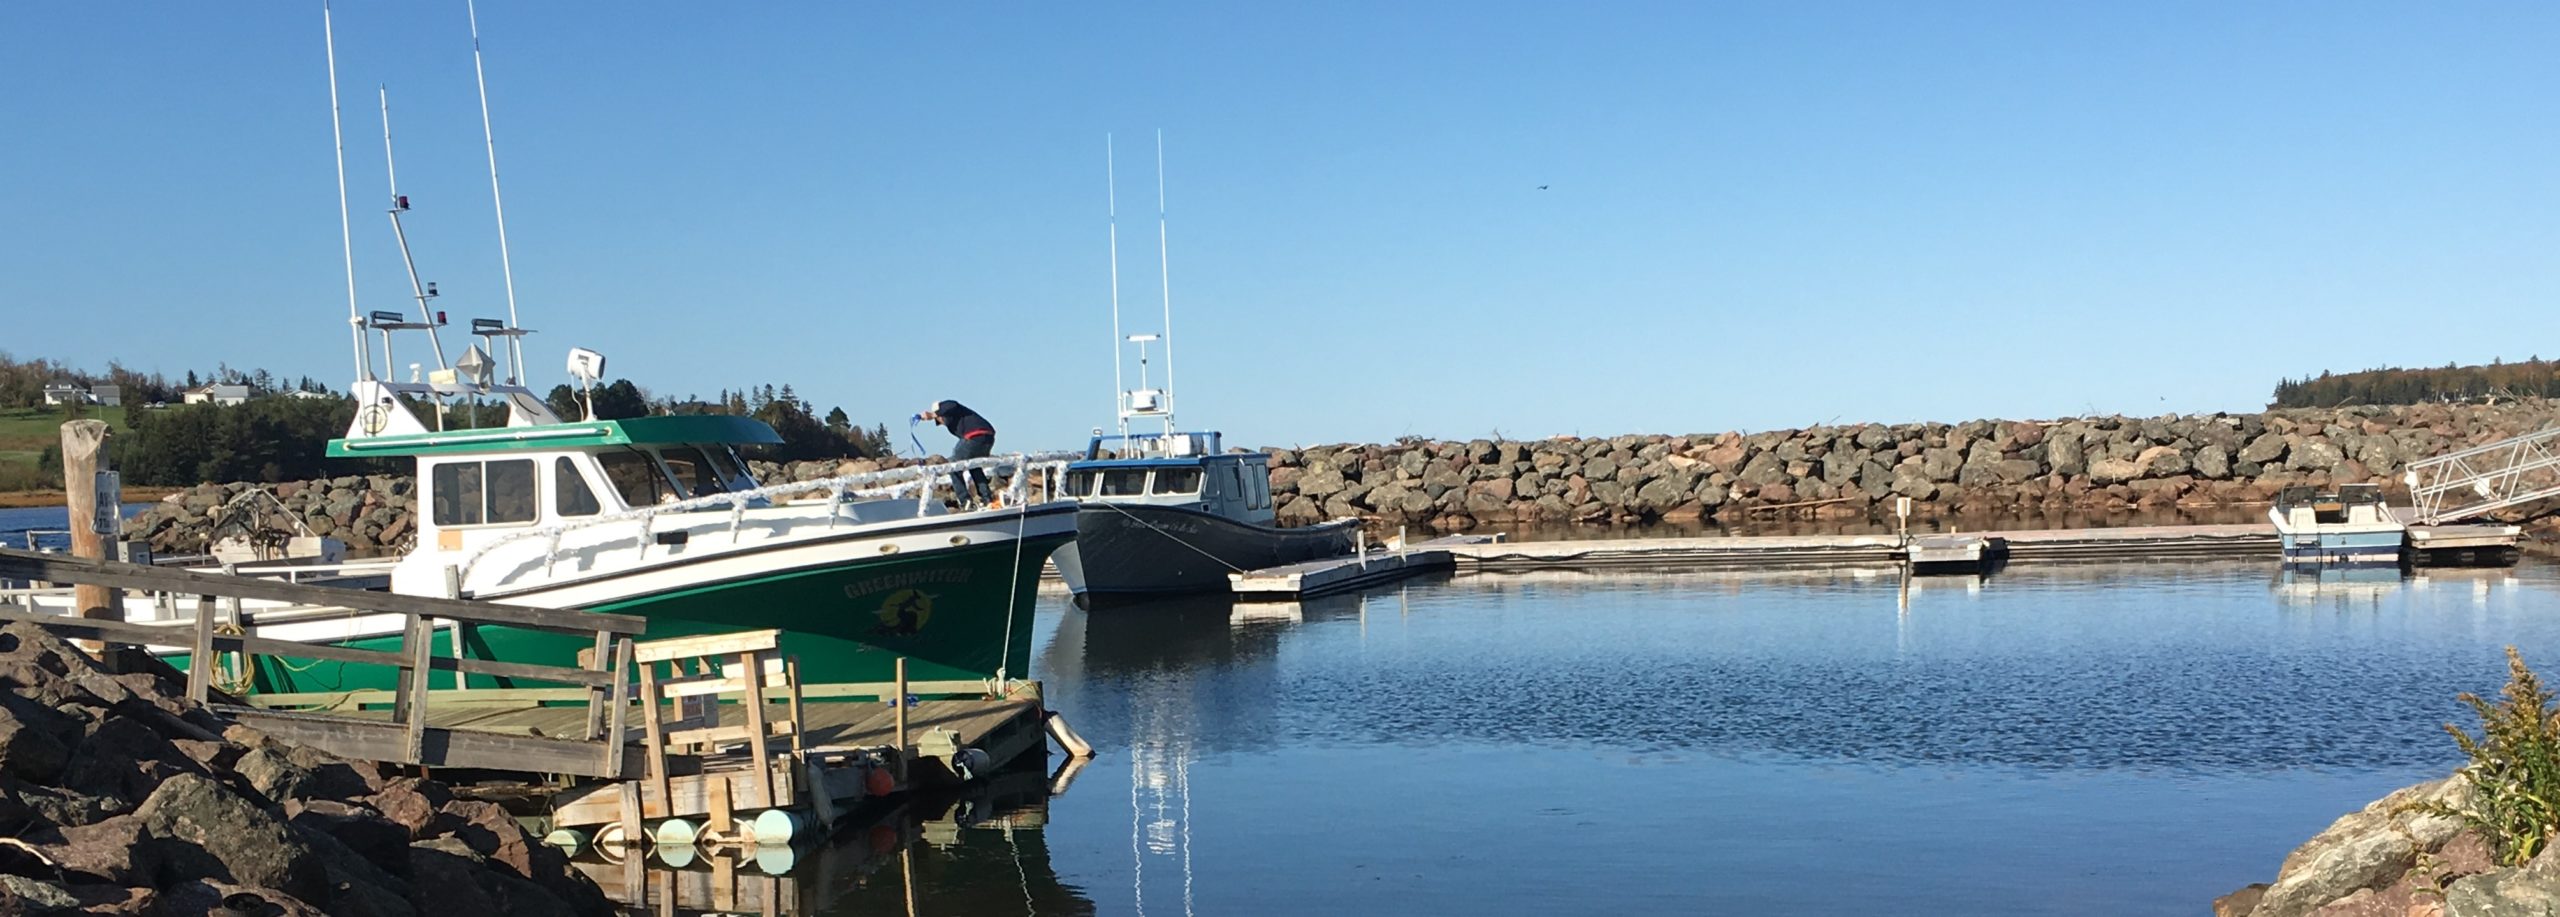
{"points": [[489, 830], [411, 803]]}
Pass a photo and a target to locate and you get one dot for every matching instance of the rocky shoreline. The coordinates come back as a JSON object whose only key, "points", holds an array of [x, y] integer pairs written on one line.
{"points": [[118, 796], [2404, 855], [1827, 472]]}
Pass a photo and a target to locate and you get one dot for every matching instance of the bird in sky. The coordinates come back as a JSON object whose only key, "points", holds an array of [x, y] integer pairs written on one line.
{"points": [[1542, 187]]}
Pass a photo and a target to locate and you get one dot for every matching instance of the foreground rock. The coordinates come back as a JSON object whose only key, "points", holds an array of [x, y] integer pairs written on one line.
{"points": [[2402, 856], [123, 798], [1981, 466]]}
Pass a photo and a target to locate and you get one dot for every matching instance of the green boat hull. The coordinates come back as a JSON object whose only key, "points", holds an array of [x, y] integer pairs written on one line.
{"points": [[956, 614]]}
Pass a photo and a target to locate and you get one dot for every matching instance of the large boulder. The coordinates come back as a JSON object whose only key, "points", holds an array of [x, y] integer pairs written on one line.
{"points": [[2367, 849], [201, 828], [2268, 447], [2531, 890]]}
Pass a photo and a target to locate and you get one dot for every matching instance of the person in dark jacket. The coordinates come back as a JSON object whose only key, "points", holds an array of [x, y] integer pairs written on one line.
{"points": [[977, 440]]}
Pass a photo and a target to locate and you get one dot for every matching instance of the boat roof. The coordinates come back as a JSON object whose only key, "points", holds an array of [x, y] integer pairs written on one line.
{"points": [[1160, 462], [635, 431]]}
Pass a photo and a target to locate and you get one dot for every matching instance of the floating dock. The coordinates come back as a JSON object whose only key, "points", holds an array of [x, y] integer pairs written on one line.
{"points": [[1329, 575], [2464, 545], [1950, 552]]}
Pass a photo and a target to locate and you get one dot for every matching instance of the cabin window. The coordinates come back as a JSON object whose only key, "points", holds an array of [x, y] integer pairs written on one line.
{"points": [[636, 477], [1079, 484], [574, 497], [1177, 481], [1257, 492], [481, 493], [695, 471], [1235, 482], [1124, 482]]}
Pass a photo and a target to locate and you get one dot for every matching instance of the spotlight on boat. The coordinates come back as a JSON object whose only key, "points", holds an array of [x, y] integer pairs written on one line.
{"points": [[585, 365]]}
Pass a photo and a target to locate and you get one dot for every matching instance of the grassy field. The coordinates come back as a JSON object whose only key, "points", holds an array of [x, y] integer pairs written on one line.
{"points": [[26, 432]]}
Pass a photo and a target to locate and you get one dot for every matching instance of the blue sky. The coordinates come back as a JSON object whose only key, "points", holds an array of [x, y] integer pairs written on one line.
{"points": [[1757, 216]]}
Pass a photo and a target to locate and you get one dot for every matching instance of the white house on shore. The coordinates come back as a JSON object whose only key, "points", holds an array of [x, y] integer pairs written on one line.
{"points": [[61, 393], [218, 394]]}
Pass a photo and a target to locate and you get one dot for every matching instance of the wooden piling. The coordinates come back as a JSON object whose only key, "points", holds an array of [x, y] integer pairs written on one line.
{"points": [[82, 440], [900, 739]]}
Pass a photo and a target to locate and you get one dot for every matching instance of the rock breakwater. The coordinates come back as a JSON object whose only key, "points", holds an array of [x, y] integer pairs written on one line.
{"points": [[1981, 466], [1837, 472]]}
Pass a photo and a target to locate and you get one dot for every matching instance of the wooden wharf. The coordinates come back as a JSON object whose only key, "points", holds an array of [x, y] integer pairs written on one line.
{"points": [[708, 739]]}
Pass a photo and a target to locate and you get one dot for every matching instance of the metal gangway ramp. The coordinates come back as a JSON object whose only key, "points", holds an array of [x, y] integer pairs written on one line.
{"points": [[2481, 479]]}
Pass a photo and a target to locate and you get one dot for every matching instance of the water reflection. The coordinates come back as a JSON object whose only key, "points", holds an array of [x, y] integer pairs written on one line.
{"points": [[935, 855], [2103, 738]]}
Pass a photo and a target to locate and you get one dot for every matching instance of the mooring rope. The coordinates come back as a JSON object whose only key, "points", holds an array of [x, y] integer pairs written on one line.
{"points": [[1013, 591]]}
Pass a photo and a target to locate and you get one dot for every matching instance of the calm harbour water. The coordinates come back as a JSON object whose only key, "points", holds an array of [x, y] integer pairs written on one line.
{"points": [[2102, 739], [2114, 739], [16, 522]]}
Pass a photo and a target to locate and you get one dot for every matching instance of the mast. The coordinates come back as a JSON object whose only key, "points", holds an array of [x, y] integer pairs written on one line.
{"points": [[399, 205], [1164, 277], [1119, 388], [346, 234], [506, 267]]}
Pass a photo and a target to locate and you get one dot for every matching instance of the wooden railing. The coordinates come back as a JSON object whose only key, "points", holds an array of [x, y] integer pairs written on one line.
{"points": [[603, 676]]}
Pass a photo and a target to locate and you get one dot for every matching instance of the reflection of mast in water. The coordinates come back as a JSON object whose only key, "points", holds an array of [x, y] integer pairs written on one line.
{"points": [[1160, 755]]}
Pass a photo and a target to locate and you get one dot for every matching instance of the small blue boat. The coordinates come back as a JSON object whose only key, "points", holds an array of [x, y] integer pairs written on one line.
{"points": [[2351, 526]]}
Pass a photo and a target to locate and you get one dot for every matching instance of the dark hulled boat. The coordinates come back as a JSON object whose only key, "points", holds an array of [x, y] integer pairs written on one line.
{"points": [[1171, 513]]}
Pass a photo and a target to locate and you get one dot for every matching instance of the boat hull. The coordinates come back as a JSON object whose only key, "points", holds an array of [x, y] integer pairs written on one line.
{"points": [[2335, 548], [1141, 550], [848, 611]]}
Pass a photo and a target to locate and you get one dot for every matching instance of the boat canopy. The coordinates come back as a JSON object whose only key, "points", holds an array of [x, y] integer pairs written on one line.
{"points": [[703, 429], [1131, 446]]}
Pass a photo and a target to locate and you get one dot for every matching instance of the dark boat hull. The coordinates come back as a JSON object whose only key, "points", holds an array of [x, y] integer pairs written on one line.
{"points": [[1135, 550]]}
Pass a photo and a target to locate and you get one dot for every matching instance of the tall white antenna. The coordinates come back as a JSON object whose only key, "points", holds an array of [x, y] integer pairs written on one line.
{"points": [[1164, 268], [399, 205], [1119, 389], [515, 342], [346, 235]]}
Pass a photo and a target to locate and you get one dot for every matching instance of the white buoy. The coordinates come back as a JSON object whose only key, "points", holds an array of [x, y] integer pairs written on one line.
{"points": [[675, 832], [775, 860], [569, 840], [777, 826]]}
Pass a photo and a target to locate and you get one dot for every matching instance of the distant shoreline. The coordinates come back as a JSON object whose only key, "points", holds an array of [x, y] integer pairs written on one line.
{"points": [[24, 499]]}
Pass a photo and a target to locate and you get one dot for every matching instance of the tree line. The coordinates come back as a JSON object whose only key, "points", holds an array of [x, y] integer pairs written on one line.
{"points": [[282, 439], [2532, 378], [22, 382]]}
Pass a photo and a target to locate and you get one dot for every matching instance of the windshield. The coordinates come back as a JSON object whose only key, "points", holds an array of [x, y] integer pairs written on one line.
{"points": [[695, 471], [636, 477]]}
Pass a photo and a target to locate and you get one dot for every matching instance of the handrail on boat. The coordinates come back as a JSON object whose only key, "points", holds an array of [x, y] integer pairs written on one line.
{"points": [[887, 482]]}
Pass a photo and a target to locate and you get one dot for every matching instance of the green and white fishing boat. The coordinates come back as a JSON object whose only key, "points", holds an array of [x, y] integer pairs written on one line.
{"points": [[657, 517]]}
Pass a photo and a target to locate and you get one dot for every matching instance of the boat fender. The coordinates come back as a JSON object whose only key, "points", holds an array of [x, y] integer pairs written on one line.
{"points": [[970, 763], [1068, 741]]}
